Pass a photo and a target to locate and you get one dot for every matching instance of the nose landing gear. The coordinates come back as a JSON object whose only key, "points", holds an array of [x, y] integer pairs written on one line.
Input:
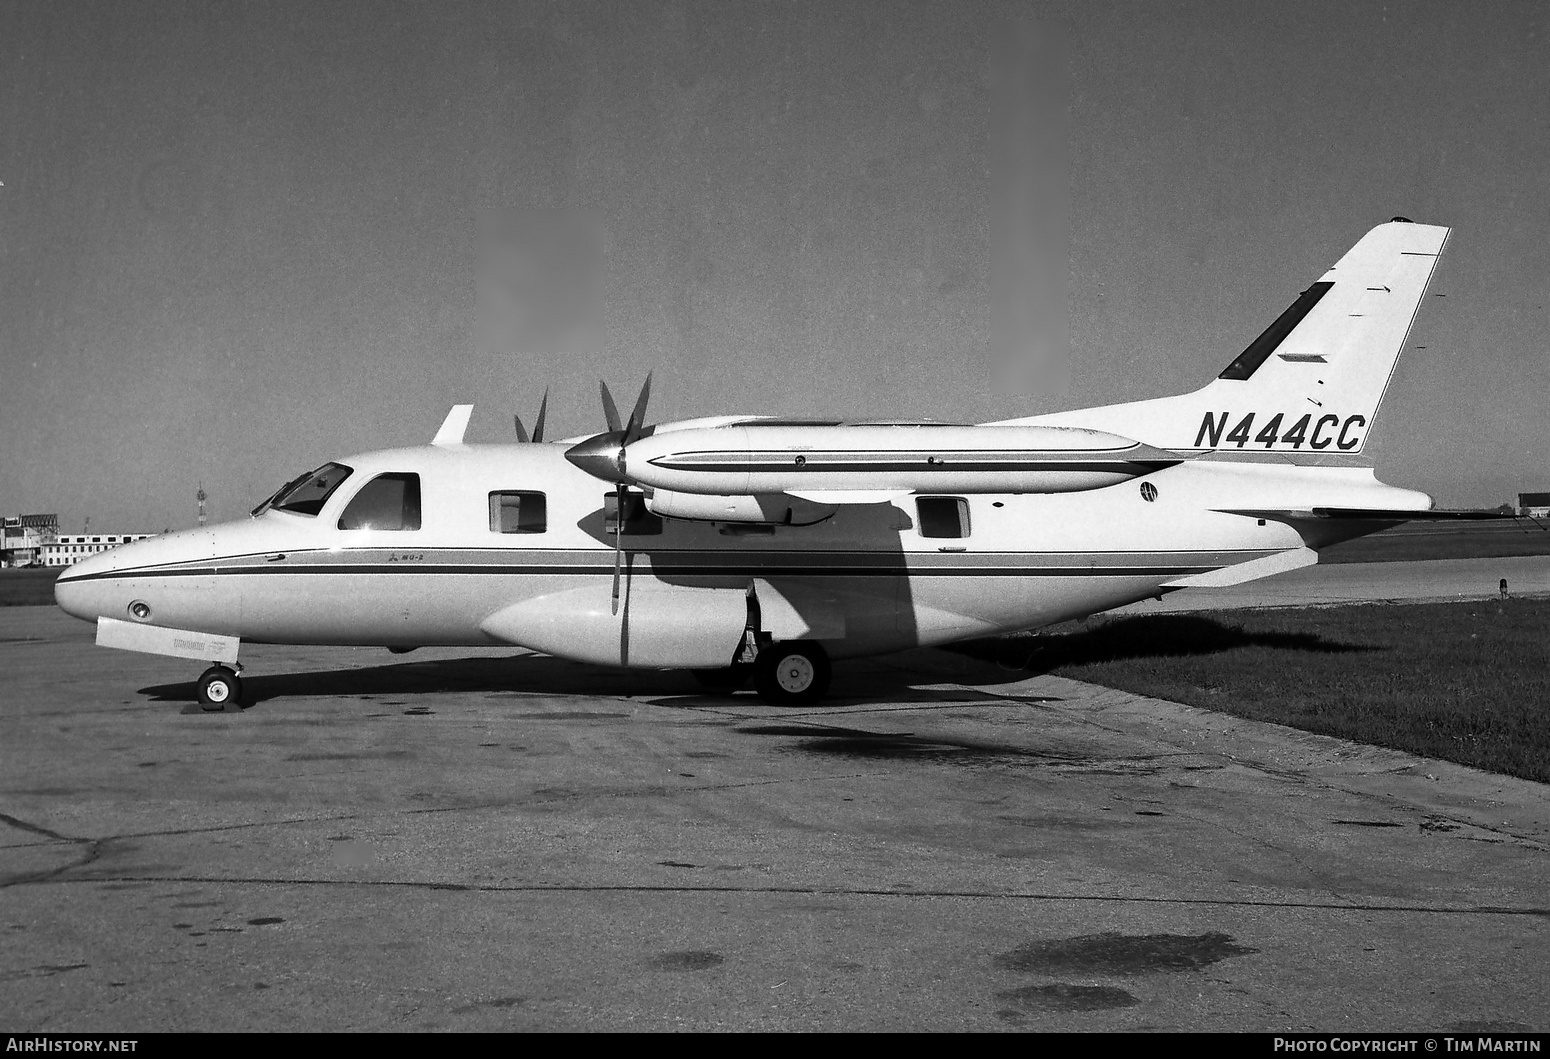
{"points": [[218, 686]]}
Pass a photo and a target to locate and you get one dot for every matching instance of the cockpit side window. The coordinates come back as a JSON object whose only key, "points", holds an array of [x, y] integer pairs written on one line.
{"points": [[307, 495], [387, 502]]}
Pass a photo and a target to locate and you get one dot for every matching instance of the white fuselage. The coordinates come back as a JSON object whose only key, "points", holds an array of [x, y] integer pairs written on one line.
{"points": [[864, 581]]}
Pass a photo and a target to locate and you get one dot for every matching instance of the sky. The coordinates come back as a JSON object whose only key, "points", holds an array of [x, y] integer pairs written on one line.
{"points": [[238, 240]]}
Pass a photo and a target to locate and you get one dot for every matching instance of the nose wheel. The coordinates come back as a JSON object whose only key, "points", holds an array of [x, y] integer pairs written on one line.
{"points": [[791, 674], [219, 686]]}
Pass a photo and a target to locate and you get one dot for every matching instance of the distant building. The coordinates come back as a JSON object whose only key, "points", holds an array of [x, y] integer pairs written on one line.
{"points": [[69, 549], [1536, 504], [24, 538]]}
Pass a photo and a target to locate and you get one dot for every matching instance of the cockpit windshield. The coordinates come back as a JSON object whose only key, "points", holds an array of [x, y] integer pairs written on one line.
{"points": [[307, 494]]}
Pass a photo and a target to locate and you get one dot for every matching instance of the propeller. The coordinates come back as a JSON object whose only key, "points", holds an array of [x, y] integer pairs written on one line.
{"points": [[602, 456], [620, 497], [610, 413], [538, 427]]}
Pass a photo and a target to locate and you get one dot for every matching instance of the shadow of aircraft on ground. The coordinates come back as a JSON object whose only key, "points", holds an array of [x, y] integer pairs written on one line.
{"points": [[1144, 636], [525, 675], [909, 677]]}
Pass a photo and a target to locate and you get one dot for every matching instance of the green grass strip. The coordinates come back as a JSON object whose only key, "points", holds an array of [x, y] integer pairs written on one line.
{"points": [[1465, 682]]}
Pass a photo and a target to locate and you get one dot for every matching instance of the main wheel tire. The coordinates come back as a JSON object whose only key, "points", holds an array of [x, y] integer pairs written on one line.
{"points": [[728, 679], [791, 674], [218, 688]]}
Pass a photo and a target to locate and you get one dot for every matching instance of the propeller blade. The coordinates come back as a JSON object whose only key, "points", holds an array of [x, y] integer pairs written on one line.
{"points": [[618, 542], [538, 428], [521, 430], [610, 412], [638, 416]]}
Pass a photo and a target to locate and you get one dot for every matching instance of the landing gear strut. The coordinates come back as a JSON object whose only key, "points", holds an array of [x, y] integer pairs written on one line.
{"points": [[792, 673], [218, 686]]}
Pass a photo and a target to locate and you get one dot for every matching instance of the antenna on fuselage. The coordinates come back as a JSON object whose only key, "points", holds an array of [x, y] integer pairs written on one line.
{"points": [[200, 496], [454, 426]]}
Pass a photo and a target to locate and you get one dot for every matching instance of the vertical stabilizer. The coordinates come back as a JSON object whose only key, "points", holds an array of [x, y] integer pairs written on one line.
{"points": [[1313, 381]]}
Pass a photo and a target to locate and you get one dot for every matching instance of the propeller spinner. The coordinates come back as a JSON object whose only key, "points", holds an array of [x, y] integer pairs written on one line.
{"points": [[602, 456]]}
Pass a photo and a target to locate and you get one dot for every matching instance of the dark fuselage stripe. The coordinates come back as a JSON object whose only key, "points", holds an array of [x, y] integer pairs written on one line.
{"points": [[691, 562], [655, 569]]}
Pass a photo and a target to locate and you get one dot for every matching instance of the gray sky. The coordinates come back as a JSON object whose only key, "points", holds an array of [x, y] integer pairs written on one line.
{"points": [[237, 240]]}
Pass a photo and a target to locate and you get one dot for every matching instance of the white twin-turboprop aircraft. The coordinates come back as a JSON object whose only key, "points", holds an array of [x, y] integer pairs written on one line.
{"points": [[747, 545]]}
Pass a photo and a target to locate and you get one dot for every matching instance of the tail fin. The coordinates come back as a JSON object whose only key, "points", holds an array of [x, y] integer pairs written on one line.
{"points": [[1313, 381]]}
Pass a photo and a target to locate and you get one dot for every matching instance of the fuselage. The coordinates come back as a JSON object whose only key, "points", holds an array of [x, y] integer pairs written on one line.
{"points": [[513, 544]]}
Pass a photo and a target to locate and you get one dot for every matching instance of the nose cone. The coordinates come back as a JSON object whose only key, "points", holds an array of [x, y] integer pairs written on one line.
{"points": [[101, 586], [601, 456], [71, 599], [79, 592]]}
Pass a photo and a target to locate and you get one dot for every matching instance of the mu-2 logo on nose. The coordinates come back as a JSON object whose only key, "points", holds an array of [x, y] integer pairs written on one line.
{"points": [[1309, 431]]}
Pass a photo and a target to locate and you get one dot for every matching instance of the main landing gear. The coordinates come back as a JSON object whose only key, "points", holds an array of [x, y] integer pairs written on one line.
{"points": [[791, 673], [218, 686]]}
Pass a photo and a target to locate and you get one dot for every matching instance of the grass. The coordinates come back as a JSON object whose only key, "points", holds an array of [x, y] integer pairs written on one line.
{"points": [[1465, 682], [27, 588]]}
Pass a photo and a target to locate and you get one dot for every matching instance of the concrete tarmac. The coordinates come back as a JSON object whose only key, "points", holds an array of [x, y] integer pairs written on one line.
{"points": [[494, 840]]}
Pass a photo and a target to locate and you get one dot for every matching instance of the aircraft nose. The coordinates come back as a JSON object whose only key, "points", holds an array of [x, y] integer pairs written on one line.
{"points": [[601, 456], [78, 593], [90, 590]]}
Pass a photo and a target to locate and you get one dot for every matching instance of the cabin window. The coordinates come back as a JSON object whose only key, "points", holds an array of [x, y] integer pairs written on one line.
{"points": [[638, 522], [943, 516], [307, 494], [387, 502], [518, 513]]}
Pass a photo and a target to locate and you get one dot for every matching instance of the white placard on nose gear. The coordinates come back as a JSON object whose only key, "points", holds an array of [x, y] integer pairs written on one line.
{"points": [[159, 640]]}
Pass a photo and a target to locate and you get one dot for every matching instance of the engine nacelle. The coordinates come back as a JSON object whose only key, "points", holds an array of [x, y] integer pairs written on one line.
{"points": [[770, 509], [761, 460]]}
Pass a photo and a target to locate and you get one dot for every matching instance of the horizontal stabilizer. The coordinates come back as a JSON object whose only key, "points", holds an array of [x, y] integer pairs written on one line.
{"points": [[1409, 516], [1370, 514]]}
